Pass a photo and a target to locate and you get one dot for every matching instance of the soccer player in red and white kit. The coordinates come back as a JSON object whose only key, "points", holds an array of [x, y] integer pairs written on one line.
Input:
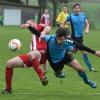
{"points": [[31, 59], [38, 43], [45, 19]]}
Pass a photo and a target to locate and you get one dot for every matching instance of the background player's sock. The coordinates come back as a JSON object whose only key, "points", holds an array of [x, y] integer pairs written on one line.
{"points": [[87, 62], [36, 66], [8, 76]]}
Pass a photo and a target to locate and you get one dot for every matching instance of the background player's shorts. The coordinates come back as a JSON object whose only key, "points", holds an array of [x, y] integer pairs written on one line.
{"points": [[68, 31], [78, 39]]}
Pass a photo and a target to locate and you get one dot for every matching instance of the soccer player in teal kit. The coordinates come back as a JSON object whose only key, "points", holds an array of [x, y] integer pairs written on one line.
{"points": [[57, 55], [79, 22]]}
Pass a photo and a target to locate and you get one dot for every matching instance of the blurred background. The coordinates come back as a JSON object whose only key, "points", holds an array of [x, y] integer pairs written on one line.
{"points": [[16, 12]]}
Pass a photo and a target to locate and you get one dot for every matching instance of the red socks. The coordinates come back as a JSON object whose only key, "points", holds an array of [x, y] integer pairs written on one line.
{"points": [[36, 66], [9, 73], [8, 77]]}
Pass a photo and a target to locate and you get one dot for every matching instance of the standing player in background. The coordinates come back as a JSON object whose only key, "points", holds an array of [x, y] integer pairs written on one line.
{"points": [[37, 43], [61, 18], [45, 19], [78, 21], [1, 20]]}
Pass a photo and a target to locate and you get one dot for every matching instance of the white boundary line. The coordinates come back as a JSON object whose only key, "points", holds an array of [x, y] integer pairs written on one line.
{"points": [[68, 93]]}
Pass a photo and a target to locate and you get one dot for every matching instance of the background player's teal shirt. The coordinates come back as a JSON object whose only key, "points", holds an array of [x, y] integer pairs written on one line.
{"points": [[79, 21], [57, 52]]}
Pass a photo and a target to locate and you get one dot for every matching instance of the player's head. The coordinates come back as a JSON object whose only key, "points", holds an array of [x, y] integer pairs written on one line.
{"points": [[41, 27], [60, 35], [46, 11], [76, 8], [47, 29], [64, 9], [32, 23]]}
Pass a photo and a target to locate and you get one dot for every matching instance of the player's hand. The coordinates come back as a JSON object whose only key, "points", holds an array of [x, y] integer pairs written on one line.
{"points": [[62, 25], [97, 53], [86, 31], [47, 29], [25, 25], [32, 23], [29, 21]]}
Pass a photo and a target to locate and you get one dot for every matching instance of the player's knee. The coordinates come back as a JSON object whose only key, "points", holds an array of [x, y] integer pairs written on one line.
{"points": [[81, 69], [33, 54], [9, 64], [37, 54]]}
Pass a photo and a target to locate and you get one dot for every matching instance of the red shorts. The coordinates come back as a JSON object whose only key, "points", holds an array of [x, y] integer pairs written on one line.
{"points": [[28, 63], [26, 60]]}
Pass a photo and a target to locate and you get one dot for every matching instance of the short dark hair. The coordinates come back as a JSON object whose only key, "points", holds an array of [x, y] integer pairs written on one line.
{"points": [[77, 4], [61, 32]]}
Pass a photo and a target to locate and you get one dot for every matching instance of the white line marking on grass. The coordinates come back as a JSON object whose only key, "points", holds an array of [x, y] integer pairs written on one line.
{"points": [[68, 93]]}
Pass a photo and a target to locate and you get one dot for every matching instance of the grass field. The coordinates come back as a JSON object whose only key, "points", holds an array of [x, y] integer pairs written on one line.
{"points": [[26, 84]]}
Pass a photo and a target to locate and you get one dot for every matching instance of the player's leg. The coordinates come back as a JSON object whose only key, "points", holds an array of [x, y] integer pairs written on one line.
{"points": [[87, 61], [45, 67], [11, 64], [44, 61], [35, 57], [68, 33], [57, 68], [74, 64], [84, 54]]}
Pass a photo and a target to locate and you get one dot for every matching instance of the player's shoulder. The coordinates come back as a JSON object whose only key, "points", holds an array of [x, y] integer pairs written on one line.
{"points": [[50, 36], [82, 13], [71, 14], [69, 41], [61, 13]]}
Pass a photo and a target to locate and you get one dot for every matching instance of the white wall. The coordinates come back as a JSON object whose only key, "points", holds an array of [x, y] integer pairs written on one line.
{"points": [[31, 2], [12, 16]]}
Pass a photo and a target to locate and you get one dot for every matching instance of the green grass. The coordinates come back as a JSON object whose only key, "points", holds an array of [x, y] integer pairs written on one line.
{"points": [[26, 84]]}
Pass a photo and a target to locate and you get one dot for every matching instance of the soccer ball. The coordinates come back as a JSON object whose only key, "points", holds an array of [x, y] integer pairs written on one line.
{"points": [[15, 44]]}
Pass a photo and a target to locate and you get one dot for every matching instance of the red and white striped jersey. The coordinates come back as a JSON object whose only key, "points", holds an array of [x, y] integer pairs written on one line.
{"points": [[38, 43], [45, 19]]}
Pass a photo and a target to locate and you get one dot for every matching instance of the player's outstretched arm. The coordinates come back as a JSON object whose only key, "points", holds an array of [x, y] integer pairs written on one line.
{"points": [[25, 25], [83, 47], [34, 31]]}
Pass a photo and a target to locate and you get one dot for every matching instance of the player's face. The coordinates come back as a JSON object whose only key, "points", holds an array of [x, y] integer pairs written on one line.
{"points": [[60, 40], [77, 9], [65, 9], [46, 11], [47, 29]]}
